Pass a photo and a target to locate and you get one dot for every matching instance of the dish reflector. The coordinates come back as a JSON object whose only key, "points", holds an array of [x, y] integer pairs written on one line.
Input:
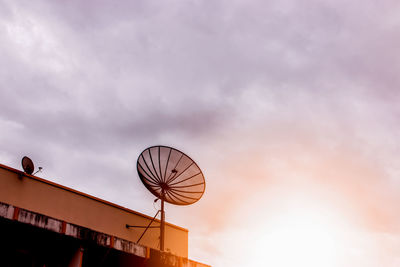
{"points": [[171, 175], [27, 165]]}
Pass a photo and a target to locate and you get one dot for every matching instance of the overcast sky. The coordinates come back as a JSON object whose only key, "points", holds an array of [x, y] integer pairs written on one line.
{"points": [[291, 109]]}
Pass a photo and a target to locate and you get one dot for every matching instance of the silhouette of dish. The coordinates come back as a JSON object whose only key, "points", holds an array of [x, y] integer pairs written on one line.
{"points": [[171, 175], [27, 165]]}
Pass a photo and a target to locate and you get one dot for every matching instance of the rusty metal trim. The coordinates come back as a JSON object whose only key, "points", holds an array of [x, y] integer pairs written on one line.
{"points": [[78, 232], [16, 214]]}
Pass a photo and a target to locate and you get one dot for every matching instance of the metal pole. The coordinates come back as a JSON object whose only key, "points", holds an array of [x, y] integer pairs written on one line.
{"points": [[162, 226], [148, 226]]}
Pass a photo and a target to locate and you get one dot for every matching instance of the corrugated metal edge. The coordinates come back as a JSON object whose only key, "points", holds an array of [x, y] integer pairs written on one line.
{"points": [[45, 222], [172, 260], [64, 228], [6, 211]]}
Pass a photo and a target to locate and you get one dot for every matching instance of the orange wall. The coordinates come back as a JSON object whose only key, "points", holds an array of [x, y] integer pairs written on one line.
{"points": [[42, 196]]}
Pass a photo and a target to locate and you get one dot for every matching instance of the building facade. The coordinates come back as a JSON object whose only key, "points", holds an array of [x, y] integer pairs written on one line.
{"points": [[46, 224]]}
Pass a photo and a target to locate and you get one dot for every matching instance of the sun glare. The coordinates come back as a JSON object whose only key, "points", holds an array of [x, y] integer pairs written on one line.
{"points": [[306, 238]]}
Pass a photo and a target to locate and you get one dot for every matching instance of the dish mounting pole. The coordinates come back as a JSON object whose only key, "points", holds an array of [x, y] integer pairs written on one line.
{"points": [[162, 225]]}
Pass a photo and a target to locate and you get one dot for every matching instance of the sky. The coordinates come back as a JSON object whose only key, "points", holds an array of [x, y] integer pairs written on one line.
{"points": [[289, 107]]}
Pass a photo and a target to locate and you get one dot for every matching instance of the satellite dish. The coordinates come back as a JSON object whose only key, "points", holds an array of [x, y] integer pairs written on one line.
{"points": [[27, 165], [171, 176]]}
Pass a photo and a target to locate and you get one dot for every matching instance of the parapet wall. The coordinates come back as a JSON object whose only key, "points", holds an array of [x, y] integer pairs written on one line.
{"points": [[65, 204]]}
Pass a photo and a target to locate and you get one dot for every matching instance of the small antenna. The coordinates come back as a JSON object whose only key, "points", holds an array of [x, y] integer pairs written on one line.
{"points": [[40, 170]]}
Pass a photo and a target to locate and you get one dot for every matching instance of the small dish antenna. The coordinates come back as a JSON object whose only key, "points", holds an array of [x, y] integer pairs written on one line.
{"points": [[27, 165], [172, 177]]}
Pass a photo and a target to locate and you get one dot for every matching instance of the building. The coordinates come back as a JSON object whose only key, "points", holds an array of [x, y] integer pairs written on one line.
{"points": [[46, 224]]}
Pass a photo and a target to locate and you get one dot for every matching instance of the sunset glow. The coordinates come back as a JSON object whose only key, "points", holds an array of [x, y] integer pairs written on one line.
{"points": [[301, 238]]}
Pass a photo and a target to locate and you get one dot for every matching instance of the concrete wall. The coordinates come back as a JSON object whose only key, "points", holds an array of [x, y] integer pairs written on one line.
{"points": [[42, 196]]}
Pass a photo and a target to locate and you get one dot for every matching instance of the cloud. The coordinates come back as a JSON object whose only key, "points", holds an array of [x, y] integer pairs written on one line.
{"points": [[270, 98]]}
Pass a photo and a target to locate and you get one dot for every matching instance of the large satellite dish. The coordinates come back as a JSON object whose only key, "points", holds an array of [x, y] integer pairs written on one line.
{"points": [[27, 165], [171, 176]]}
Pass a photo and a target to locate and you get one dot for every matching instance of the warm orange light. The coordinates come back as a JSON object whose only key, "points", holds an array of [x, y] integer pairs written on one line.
{"points": [[299, 237]]}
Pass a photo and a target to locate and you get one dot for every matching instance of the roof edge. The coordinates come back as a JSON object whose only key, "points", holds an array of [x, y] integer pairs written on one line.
{"points": [[2, 166]]}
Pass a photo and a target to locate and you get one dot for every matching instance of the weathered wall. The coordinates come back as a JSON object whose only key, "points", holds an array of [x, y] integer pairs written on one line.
{"points": [[66, 204]]}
